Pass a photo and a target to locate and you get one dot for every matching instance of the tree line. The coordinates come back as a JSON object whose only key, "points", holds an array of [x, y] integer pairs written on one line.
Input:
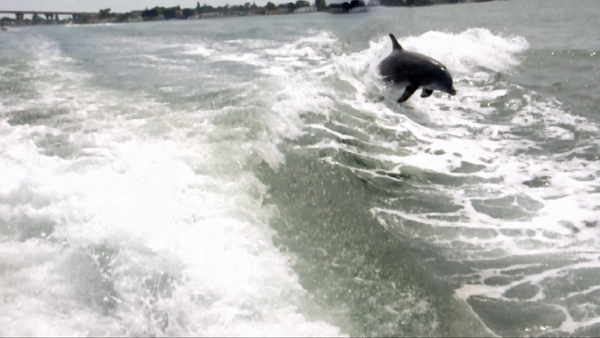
{"points": [[394, 3], [177, 12], [105, 14], [184, 13]]}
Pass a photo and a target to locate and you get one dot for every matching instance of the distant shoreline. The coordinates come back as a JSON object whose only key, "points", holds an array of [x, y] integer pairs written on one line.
{"points": [[204, 12]]}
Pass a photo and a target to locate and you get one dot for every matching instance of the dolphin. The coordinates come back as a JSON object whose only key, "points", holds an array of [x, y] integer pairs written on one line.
{"points": [[415, 70]]}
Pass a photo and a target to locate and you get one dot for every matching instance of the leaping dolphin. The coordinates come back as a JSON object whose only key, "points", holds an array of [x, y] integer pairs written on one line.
{"points": [[415, 70]]}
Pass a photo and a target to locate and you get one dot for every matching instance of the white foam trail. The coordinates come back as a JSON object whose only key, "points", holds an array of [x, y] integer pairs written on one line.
{"points": [[499, 216], [114, 222], [199, 49], [469, 51]]}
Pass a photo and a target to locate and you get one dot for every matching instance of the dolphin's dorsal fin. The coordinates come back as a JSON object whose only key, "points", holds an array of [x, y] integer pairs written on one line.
{"points": [[395, 43]]}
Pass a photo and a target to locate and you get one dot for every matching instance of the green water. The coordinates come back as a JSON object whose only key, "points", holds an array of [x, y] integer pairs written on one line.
{"points": [[253, 176]]}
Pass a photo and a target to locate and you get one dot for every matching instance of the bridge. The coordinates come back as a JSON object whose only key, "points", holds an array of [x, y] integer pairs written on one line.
{"points": [[20, 15]]}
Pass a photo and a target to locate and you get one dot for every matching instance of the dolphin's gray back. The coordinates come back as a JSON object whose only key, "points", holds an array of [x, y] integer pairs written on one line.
{"points": [[415, 70], [402, 66]]}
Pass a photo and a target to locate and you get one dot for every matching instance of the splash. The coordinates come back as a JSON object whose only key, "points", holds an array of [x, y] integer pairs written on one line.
{"points": [[123, 216], [494, 178]]}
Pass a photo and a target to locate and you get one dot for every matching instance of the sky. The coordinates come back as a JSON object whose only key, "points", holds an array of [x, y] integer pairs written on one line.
{"points": [[118, 6]]}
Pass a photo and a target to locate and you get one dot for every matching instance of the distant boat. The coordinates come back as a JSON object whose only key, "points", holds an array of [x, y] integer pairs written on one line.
{"points": [[4, 28]]}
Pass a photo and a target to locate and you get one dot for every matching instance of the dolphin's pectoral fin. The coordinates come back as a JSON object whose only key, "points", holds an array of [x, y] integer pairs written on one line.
{"points": [[426, 92], [411, 89]]}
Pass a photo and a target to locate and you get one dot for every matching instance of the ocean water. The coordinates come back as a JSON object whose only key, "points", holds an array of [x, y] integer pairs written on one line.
{"points": [[254, 176]]}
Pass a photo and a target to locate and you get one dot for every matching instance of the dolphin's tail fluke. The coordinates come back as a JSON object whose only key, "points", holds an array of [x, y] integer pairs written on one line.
{"points": [[395, 43]]}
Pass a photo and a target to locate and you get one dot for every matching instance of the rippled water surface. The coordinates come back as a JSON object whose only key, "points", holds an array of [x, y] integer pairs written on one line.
{"points": [[254, 177]]}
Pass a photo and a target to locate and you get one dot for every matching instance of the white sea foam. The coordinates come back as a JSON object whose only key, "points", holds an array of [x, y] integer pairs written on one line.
{"points": [[123, 215], [280, 59], [501, 216], [469, 51], [199, 49], [115, 223]]}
